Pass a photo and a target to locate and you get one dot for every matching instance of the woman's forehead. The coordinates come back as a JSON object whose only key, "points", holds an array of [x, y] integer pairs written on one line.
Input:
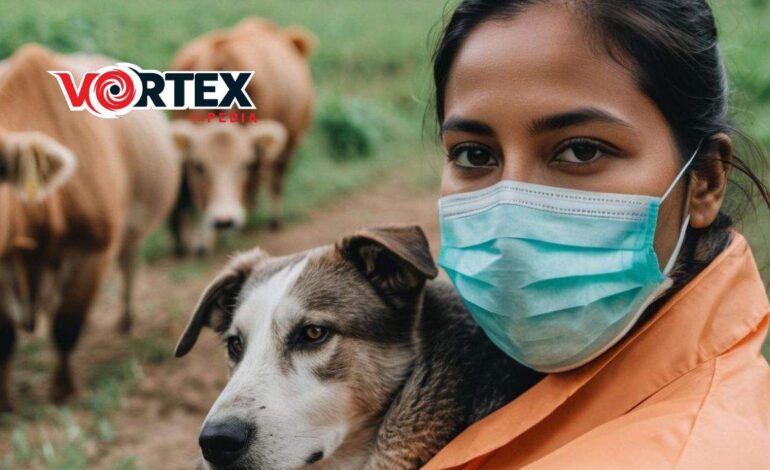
{"points": [[543, 59]]}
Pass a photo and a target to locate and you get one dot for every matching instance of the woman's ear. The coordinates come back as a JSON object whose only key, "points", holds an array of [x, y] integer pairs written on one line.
{"points": [[708, 182]]}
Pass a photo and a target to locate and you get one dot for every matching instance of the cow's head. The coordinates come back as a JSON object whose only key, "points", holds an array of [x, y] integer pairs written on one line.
{"points": [[223, 164], [34, 164]]}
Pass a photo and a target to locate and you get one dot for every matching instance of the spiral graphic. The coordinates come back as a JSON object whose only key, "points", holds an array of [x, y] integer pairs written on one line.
{"points": [[114, 91]]}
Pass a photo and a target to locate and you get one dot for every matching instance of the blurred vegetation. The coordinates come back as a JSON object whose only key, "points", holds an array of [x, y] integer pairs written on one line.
{"points": [[745, 42], [372, 79], [50, 438], [350, 128]]}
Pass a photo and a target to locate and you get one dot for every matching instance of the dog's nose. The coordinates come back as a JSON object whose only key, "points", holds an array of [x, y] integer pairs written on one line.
{"points": [[224, 224], [222, 443]]}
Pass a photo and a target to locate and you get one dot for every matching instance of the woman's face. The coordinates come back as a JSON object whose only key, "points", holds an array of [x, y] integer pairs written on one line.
{"points": [[535, 99]]}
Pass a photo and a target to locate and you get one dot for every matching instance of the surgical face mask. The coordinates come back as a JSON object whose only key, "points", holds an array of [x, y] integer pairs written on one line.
{"points": [[554, 276]]}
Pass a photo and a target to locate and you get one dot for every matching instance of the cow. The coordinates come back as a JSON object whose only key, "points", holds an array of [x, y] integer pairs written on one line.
{"points": [[222, 169], [281, 88], [76, 193]]}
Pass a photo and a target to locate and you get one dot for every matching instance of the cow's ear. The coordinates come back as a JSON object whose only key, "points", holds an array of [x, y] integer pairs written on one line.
{"points": [[182, 131], [34, 164], [396, 260], [269, 139], [302, 39], [217, 305]]}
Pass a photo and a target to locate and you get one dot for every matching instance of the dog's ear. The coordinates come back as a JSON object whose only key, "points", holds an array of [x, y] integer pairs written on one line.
{"points": [[396, 260], [216, 307]]}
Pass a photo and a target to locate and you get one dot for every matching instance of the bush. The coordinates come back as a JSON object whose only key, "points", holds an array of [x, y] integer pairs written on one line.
{"points": [[349, 128]]}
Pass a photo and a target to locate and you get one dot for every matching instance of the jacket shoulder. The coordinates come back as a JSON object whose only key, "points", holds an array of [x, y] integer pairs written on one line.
{"points": [[715, 416], [732, 426]]}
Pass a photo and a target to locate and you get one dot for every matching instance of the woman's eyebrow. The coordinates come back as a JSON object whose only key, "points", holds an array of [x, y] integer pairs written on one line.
{"points": [[455, 123], [573, 118]]}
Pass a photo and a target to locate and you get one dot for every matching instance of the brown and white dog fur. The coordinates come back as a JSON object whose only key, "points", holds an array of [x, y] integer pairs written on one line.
{"points": [[223, 165], [346, 357], [281, 89], [76, 191]]}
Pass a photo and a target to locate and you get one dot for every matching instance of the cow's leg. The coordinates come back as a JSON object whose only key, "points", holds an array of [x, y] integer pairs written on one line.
{"points": [[182, 225], [127, 261], [180, 219], [176, 222], [204, 239], [7, 345], [277, 177], [79, 291]]}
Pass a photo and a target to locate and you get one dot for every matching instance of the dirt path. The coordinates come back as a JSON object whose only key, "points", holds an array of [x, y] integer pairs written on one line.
{"points": [[158, 421]]}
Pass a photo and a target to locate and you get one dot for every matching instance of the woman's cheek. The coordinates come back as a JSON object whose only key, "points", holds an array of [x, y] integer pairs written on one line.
{"points": [[455, 179], [669, 226]]}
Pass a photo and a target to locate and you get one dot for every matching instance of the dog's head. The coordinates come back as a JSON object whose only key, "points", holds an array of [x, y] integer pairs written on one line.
{"points": [[318, 343]]}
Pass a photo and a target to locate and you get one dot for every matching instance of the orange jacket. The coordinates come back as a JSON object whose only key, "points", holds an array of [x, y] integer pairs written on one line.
{"points": [[688, 389]]}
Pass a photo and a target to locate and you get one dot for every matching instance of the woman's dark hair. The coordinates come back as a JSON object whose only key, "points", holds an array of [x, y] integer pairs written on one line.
{"points": [[671, 48]]}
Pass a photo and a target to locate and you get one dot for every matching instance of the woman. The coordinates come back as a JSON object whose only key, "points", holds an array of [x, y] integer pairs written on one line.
{"points": [[588, 149]]}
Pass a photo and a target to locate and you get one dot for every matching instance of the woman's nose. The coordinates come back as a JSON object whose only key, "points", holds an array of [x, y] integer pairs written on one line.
{"points": [[519, 167]]}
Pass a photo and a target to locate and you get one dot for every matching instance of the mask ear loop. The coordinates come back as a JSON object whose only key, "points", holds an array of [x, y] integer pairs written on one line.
{"points": [[681, 173], [679, 243], [672, 259]]}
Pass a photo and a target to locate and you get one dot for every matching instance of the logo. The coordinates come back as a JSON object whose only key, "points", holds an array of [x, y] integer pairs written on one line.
{"points": [[118, 89]]}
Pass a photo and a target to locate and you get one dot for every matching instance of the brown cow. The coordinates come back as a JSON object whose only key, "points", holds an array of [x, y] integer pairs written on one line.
{"points": [[222, 171], [281, 89], [75, 191]]}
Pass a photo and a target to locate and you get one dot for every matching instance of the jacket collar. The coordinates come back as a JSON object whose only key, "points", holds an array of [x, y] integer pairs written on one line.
{"points": [[724, 304]]}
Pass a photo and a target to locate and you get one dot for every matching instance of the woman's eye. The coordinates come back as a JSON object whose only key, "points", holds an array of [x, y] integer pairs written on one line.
{"points": [[235, 348], [473, 157], [315, 334], [582, 152]]}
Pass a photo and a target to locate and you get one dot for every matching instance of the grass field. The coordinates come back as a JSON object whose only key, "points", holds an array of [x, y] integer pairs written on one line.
{"points": [[372, 76]]}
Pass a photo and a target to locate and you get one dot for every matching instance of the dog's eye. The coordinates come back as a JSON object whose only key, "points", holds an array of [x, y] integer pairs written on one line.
{"points": [[315, 333], [235, 348]]}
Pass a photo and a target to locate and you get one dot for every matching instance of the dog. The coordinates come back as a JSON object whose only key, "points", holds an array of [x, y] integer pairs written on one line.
{"points": [[347, 356]]}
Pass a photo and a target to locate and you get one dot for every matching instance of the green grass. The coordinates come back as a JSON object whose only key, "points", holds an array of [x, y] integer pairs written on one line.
{"points": [[48, 438]]}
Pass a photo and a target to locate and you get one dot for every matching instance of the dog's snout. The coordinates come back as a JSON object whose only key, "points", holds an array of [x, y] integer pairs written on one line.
{"points": [[224, 224], [224, 442]]}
